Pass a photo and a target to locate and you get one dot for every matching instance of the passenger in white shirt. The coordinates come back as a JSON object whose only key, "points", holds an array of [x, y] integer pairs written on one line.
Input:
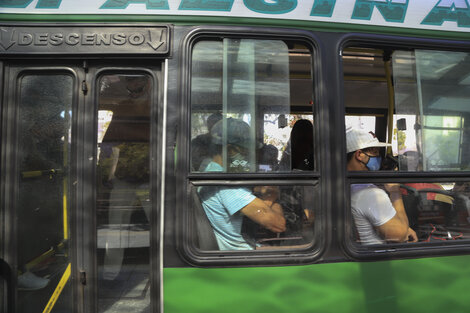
{"points": [[379, 217]]}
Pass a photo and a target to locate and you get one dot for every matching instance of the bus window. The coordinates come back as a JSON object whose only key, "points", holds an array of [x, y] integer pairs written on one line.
{"points": [[252, 112], [123, 198], [418, 99]]}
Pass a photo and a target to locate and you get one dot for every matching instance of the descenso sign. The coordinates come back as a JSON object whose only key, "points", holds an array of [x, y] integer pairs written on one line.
{"points": [[447, 15], [84, 40]]}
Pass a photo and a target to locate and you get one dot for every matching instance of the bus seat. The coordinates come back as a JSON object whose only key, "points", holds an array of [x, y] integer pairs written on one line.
{"points": [[205, 232], [411, 203]]}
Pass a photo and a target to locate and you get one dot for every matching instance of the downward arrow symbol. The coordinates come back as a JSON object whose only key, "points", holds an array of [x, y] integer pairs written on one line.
{"points": [[155, 40], [6, 38]]}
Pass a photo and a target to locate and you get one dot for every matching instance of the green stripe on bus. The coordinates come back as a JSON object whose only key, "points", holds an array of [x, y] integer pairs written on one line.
{"points": [[431, 285]]}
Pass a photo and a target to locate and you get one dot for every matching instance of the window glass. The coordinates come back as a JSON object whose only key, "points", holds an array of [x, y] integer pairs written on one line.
{"points": [[256, 95], [225, 220], [43, 203], [419, 99], [432, 90], [123, 197], [252, 112], [435, 212]]}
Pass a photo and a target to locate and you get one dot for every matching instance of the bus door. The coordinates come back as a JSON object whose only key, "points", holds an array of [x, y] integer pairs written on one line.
{"points": [[119, 114], [77, 202], [38, 179]]}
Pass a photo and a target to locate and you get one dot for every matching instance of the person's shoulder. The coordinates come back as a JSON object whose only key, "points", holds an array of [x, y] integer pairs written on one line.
{"points": [[367, 190], [213, 167], [362, 187]]}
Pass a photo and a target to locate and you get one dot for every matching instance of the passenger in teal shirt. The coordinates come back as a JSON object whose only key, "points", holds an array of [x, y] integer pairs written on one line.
{"points": [[225, 206]]}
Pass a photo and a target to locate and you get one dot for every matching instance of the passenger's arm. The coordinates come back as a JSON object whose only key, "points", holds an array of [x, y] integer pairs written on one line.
{"points": [[394, 230], [397, 229], [267, 193], [270, 218]]}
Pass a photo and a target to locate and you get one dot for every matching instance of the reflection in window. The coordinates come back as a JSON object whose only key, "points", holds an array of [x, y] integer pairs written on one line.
{"points": [[123, 197], [227, 217], [436, 212], [265, 84]]}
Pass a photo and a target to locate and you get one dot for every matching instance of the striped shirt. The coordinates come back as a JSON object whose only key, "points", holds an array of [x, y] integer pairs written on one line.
{"points": [[222, 206]]}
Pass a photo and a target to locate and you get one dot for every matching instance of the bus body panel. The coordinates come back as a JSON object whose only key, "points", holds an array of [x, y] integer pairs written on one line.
{"points": [[426, 284], [387, 286]]}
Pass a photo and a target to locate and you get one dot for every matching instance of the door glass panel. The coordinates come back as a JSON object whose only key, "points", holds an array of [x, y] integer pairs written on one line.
{"points": [[42, 210], [123, 202]]}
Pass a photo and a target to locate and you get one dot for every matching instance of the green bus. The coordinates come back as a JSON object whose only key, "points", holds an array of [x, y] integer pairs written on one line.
{"points": [[193, 155]]}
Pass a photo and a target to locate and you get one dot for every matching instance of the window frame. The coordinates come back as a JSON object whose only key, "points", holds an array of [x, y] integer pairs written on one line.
{"points": [[186, 178]]}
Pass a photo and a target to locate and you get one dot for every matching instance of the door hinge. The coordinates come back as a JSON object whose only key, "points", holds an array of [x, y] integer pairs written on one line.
{"points": [[84, 87], [83, 278]]}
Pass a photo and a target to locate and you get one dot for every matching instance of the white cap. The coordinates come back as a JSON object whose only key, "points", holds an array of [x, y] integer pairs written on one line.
{"points": [[357, 139]]}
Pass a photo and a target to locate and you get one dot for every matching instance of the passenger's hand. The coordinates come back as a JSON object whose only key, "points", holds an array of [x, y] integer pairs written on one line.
{"points": [[276, 207], [412, 237]]}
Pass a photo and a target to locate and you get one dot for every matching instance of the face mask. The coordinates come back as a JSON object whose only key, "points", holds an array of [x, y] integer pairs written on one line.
{"points": [[374, 163], [238, 163]]}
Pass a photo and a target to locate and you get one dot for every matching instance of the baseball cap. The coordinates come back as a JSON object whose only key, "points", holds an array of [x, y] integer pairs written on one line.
{"points": [[357, 139], [238, 133]]}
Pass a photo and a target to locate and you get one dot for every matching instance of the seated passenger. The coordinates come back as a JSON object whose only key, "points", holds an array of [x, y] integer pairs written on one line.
{"points": [[225, 206], [200, 145], [267, 159], [378, 217], [298, 154]]}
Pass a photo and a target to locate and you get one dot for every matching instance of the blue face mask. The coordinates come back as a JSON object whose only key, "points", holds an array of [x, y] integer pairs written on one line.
{"points": [[374, 163]]}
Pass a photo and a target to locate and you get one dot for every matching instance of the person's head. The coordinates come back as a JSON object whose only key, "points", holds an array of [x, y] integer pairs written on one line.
{"points": [[301, 140], [212, 120], [268, 154], [302, 135], [363, 150], [237, 140]]}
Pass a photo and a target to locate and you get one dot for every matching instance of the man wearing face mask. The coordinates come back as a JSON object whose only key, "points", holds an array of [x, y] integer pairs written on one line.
{"points": [[379, 217], [225, 206]]}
